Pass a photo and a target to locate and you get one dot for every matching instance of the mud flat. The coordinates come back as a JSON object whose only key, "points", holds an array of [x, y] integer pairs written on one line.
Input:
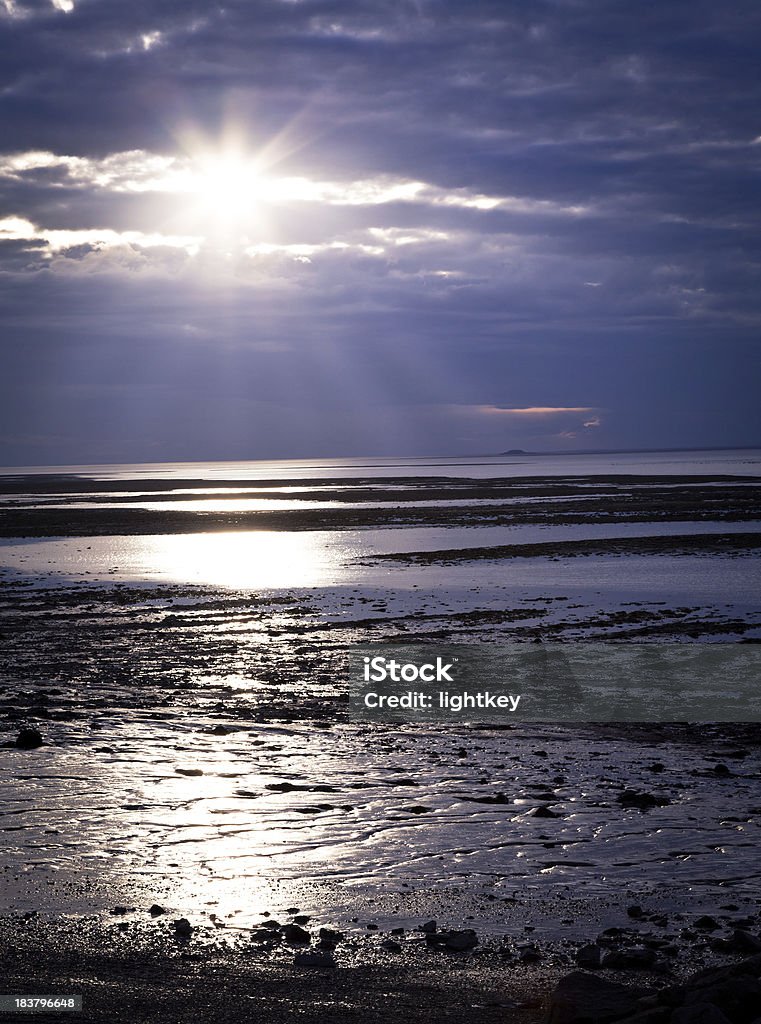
{"points": [[689, 544], [196, 762], [55, 506]]}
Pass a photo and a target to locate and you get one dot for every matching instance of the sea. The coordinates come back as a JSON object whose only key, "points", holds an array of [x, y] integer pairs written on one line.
{"points": [[196, 754]]}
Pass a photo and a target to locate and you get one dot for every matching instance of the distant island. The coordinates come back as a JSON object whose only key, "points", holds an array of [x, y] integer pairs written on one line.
{"points": [[631, 451]]}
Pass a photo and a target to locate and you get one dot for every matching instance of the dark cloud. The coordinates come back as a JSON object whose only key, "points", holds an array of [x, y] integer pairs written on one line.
{"points": [[619, 272]]}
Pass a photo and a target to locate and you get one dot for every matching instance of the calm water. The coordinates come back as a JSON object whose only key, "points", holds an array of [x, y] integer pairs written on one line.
{"points": [[740, 462], [182, 768]]}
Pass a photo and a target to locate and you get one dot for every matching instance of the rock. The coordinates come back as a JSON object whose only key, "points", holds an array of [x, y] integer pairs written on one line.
{"points": [[545, 812], [156, 910], [529, 955], [698, 1013], [183, 929], [581, 998], [29, 739], [458, 941], [390, 946], [740, 942], [330, 935], [637, 958], [738, 998], [634, 911], [428, 927], [314, 959], [750, 966], [293, 933], [657, 1016], [589, 956], [722, 770], [644, 801], [707, 923]]}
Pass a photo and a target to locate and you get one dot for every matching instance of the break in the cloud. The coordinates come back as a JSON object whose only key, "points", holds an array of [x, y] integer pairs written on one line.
{"points": [[334, 227]]}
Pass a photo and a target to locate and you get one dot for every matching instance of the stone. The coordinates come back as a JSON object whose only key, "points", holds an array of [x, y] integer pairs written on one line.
{"points": [[29, 739], [183, 929], [390, 946], [644, 801], [707, 923], [581, 998], [739, 942], [294, 933], [589, 956], [698, 1013], [637, 957], [738, 998], [656, 1015], [156, 910], [458, 941]]}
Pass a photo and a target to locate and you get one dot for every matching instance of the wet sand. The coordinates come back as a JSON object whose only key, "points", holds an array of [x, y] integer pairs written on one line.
{"points": [[197, 755], [127, 978], [529, 500]]}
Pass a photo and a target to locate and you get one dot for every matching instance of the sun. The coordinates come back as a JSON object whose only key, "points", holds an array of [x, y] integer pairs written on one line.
{"points": [[229, 188]]}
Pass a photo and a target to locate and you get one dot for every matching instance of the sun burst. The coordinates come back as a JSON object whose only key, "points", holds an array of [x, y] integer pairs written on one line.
{"points": [[229, 188]]}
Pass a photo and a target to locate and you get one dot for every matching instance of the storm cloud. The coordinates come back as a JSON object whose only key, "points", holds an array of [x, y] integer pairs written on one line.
{"points": [[307, 228]]}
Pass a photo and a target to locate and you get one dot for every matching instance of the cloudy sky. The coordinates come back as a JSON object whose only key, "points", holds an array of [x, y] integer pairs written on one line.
{"points": [[298, 228]]}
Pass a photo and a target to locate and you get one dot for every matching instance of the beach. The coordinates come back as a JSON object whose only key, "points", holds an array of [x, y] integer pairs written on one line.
{"points": [[178, 641]]}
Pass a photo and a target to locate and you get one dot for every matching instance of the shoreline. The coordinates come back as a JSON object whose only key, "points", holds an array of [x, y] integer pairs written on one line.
{"points": [[198, 755], [393, 503]]}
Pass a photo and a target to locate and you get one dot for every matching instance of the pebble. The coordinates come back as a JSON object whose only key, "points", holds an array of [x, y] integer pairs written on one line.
{"points": [[183, 929], [29, 739], [293, 933]]}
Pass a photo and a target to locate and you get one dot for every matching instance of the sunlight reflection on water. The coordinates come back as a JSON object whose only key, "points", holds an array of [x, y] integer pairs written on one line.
{"points": [[262, 559], [272, 560], [235, 559]]}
